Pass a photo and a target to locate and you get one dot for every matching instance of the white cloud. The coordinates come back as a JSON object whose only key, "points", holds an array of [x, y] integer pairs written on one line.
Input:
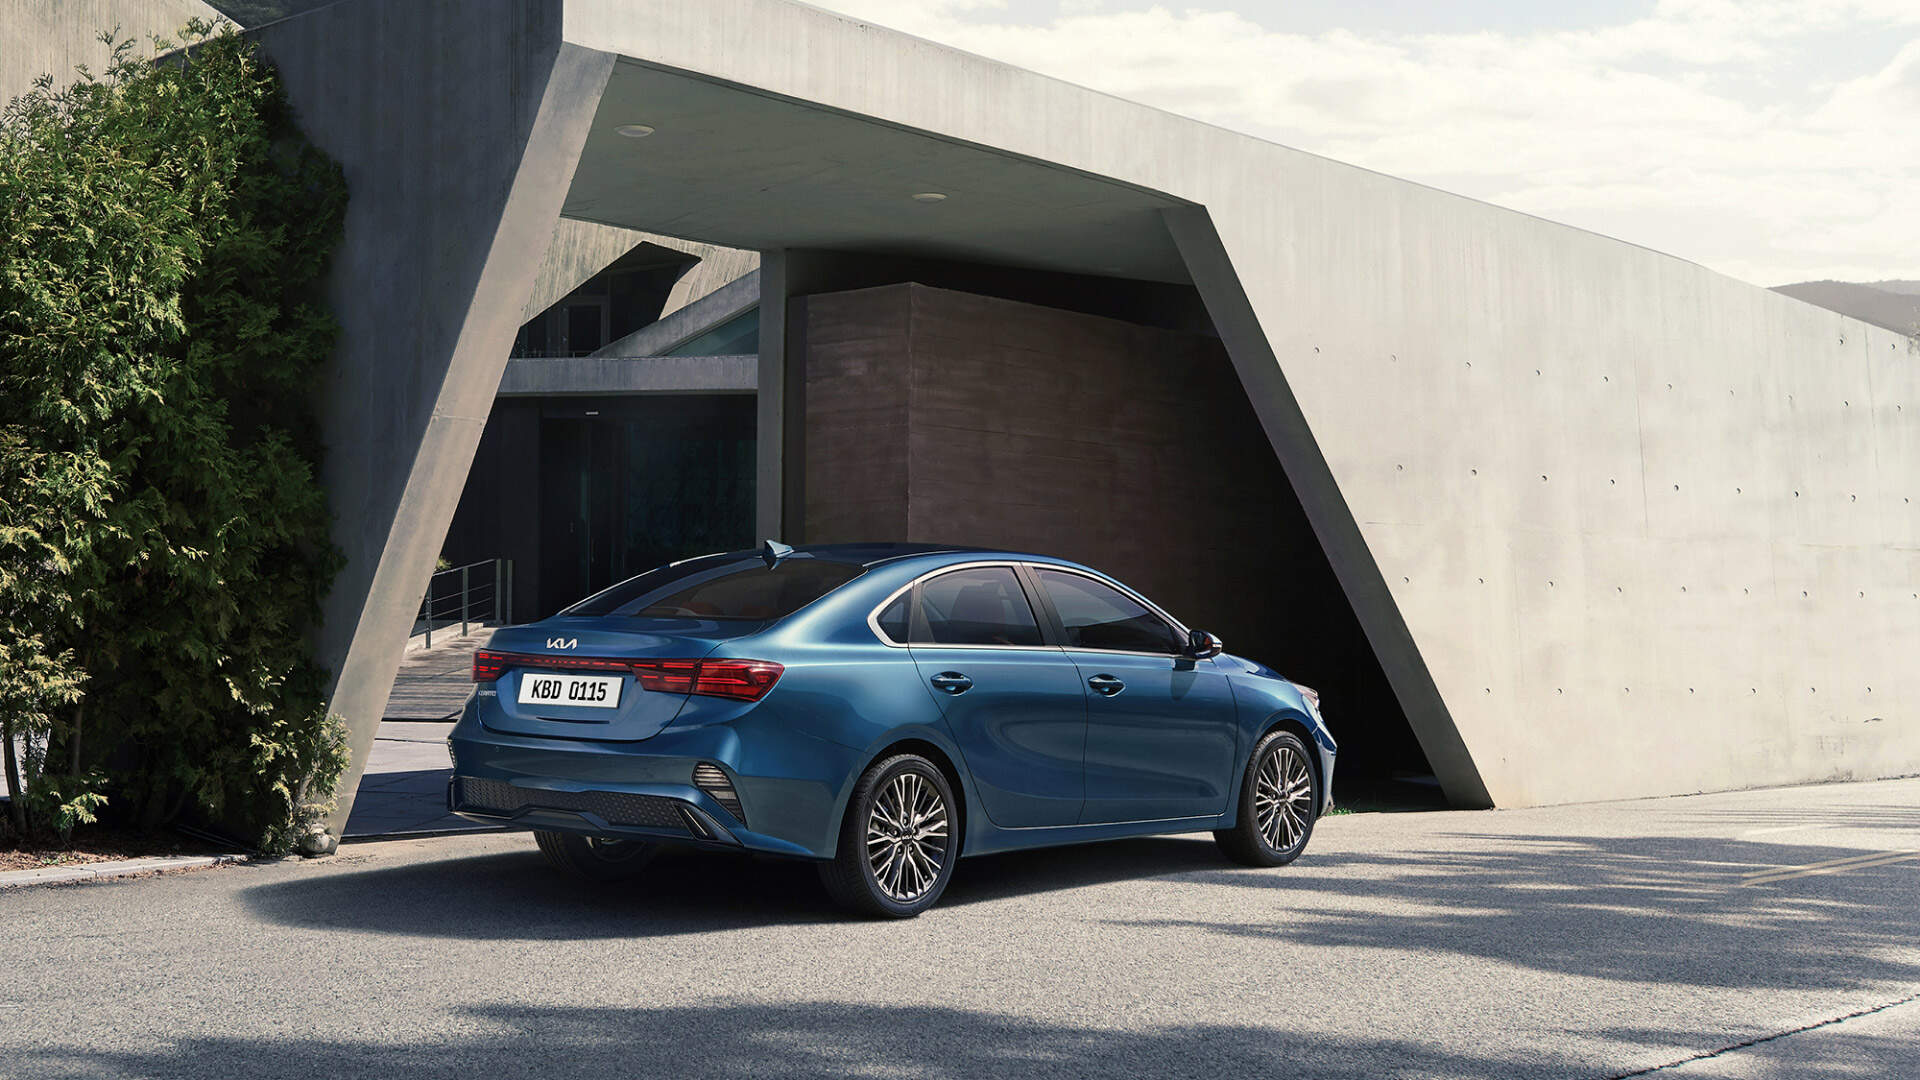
{"points": [[1744, 134]]}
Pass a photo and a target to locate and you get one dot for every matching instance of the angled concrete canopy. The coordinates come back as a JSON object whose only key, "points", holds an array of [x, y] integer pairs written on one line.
{"points": [[1615, 525]]}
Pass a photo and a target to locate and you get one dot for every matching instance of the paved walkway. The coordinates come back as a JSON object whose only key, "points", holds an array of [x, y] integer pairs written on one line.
{"points": [[404, 789], [1757, 934], [107, 871]]}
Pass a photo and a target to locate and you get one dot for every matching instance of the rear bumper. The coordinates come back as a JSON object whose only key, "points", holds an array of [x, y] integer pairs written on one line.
{"points": [[789, 785], [624, 814]]}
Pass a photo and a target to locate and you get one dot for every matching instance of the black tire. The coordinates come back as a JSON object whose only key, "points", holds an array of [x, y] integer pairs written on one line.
{"points": [[593, 859], [905, 882], [1276, 839]]}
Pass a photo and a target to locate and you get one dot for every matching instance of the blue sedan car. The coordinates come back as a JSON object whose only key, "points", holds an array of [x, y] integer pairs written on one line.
{"points": [[882, 710]]}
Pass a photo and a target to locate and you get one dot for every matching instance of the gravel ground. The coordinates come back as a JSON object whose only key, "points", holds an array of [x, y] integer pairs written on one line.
{"points": [[1757, 934]]}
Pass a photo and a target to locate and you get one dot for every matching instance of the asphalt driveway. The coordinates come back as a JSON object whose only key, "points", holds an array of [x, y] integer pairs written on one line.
{"points": [[1755, 934]]}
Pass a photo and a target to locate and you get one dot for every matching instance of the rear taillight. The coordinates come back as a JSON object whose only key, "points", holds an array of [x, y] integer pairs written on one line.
{"points": [[666, 676], [488, 666], [739, 680]]}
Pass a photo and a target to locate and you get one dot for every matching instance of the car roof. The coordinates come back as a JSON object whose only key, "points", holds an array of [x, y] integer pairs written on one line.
{"points": [[874, 554]]}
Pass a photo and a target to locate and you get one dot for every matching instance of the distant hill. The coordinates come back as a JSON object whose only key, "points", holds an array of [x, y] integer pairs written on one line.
{"points": [[1894, 305]]}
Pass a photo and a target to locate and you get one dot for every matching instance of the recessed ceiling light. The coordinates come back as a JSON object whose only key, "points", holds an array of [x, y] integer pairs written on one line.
{"points": [[634, 131], [929, 197]]}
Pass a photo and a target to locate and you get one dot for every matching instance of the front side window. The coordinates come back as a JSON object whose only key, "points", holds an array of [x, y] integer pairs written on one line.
{"points": [[982, 606], [1098, 616], [737, 586]]}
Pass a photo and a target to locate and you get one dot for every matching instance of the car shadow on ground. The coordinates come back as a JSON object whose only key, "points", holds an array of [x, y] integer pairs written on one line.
{"points": [[1635, 910], [516, 895]]}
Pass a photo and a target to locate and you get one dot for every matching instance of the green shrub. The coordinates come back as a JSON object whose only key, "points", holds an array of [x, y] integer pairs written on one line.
{"points": [[163, 548]]}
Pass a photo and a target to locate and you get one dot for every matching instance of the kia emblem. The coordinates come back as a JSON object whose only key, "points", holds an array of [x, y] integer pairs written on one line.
{"points": [[563, 643]]}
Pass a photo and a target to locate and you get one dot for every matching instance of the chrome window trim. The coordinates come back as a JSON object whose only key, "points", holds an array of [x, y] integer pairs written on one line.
{"points": [[1124, 591], [873, 617]]}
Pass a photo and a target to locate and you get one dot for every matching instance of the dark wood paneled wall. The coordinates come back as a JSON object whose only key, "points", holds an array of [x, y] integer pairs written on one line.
{"points": [[946, 417]]}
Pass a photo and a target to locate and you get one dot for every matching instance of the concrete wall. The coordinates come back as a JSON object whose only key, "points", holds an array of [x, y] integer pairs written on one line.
{"points": [[52, 37], [596, 376], [718, 267], [690, 320], [1617, 524], [944, 417], [457, 159], [581, 249]]}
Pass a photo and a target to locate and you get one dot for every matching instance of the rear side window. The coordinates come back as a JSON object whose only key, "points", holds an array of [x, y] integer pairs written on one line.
{"points": [[982, 606], [722, 587], [895, 619], [1097, 616]]}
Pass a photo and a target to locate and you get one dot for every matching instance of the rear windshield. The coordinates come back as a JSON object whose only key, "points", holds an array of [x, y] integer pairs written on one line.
{"points": [[740, 586]]}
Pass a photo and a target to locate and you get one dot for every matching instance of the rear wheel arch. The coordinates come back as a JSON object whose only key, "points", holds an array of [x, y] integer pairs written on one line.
{"points": [[948, 768]]}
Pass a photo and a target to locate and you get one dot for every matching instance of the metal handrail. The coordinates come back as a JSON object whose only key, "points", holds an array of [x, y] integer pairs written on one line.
{"points": [[493, 595]]}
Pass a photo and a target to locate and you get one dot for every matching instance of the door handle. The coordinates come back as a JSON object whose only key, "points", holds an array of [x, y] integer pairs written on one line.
{"points": [[952, 682], [1106, 685]]}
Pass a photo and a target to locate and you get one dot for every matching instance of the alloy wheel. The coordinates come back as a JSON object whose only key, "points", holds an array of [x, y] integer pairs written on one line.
{"points": [[907, 837], [1282, 797]]}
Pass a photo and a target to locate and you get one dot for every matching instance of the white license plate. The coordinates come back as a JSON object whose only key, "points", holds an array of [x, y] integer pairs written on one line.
{"points": [[585, 691]]}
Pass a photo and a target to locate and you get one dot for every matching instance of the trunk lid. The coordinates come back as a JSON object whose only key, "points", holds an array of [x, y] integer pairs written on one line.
{"points": [[558, 646]]}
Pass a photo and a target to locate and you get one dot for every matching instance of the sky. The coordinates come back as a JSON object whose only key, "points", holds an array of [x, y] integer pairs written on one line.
{"points": [[1773, 140]]}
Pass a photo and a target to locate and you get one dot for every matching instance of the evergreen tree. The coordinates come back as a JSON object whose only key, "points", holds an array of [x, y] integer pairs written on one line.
{"points": [[163, 546]]}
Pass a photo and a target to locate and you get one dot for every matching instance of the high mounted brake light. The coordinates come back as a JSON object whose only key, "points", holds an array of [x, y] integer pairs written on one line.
{"points": [[738, 680]]}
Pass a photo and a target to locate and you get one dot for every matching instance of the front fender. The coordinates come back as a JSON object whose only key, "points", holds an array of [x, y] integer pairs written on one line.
{"points": [[1265, 701]]}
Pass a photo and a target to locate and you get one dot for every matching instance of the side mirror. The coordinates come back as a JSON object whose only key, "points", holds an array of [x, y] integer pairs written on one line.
{"points": [[1202, 645]]}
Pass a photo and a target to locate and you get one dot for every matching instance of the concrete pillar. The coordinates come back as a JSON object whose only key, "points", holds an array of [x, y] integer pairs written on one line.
{"points": [[1313, 483], [770, 450], [458, 125]]}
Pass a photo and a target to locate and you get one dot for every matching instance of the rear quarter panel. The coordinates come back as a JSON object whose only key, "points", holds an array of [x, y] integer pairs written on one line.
{"points": [[841, 688]]}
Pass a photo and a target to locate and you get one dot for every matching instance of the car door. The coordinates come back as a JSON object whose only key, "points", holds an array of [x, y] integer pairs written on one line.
{"points": [[1013, 702], [1160, 725]]}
